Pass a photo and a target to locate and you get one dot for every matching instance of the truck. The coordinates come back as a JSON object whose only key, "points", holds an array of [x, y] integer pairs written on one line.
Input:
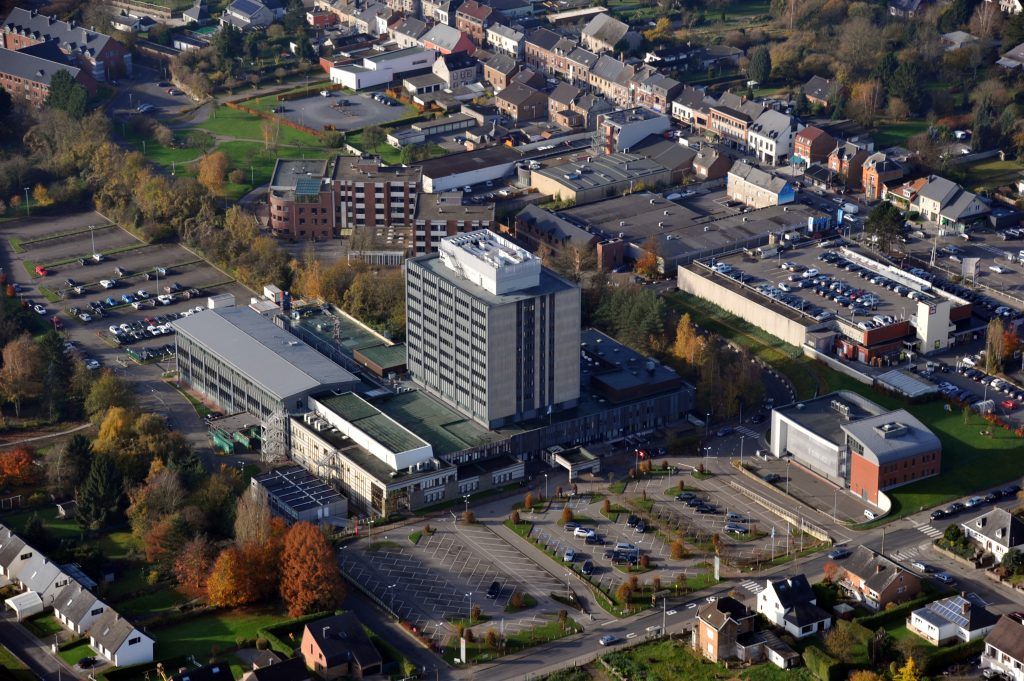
{"points": [[851, 208]]}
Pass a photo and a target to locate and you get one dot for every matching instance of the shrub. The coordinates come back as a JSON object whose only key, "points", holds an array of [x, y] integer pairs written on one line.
{"points": [[645, 561], [566, 514], [822, 665], [236, 176]]}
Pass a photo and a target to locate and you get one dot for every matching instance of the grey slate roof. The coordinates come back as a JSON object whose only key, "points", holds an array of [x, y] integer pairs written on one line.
{"points": [[245, 8], [74, 602], [1000, 526], [443, 35], [253, 345], [803, 614], [1008, 637], [506, 32], [939, 189], [720, 611], [293, 669], [564, 93], [818, 87], [71, 37], [502, 63], [609, 68], [518, 94], [544, 39], [757, 177], [876, 570], [111, 630], [340, 636], [583, 57], [772, 124], [606, 28], [792, 591], [32, 68], [411, 26], [10, 548]]}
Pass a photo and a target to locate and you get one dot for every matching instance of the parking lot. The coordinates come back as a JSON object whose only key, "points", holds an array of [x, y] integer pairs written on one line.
{"points": [[965, 381], [130, 272], [446, 573], [358, 111], [813, 491]]}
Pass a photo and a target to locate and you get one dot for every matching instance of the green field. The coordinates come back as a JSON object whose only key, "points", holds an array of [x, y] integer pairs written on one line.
{"points": [[57, 527], [897, 133], [200, 636], [241, 125], [992, 173], [675, 660]]}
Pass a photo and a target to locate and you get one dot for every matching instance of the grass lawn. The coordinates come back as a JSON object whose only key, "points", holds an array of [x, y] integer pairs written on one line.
{"points": [[241, 125], [75, 653], [162, 600], [769, 672], [199, 636], [528, 602], [43, 626], [16, 669], [664, 660], [415, 537], [617, 487], [58, 528], [479, 651], [117, 544], [523, 529], [992, 173], [899, 132], [898, 630]]}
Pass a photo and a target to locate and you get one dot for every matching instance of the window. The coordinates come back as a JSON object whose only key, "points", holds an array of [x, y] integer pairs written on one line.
{"points": [[133, 641]]}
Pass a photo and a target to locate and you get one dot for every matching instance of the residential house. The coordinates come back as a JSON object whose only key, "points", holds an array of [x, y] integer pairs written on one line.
{"points": [[337, 646], [548, 52], [962, 618], [117, 641], [757, 188], [77, 608], [812, 145], [43, 577], [722, 56], [474, 19], [724, 627], [373, 19], [654, 90], [26, 73], [102, 57], [521, 102], [456, 69], [611, 78], [14, 554], [1010, 6], [678, 56], [878, 171], [505, 40], [536, 227], [875, 581], [624, 129], [560, 106], [691, 107], [131, 23], [790, 603], [580, 61], [945, 202], [447, 40], [997, 532], [498, 71], [730, 118], [1014, 59], [603, 33], [512, 9], [215, 671], [266, 669], [956, 40], [708, 164], [408, 32], [905, 9], [441, 11], [321, 18], [847, 161], [247, 14], [820, 91], [198, 14], [1004, 648], [770, 137]]}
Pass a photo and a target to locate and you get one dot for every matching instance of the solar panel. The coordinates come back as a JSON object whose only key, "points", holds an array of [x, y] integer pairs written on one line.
{"points": [[952, 610]]}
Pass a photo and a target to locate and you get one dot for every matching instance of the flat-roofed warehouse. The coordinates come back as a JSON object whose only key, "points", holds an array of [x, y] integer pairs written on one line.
{"points": [[242, 361]]}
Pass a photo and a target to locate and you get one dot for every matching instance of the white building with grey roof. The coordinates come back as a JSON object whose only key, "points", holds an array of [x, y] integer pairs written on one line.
{"points": [[771, 135], [118, 641], [242, 361]]}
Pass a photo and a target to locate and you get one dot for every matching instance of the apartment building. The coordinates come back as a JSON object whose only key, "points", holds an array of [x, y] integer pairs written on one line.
{"points": [[99, 55]]}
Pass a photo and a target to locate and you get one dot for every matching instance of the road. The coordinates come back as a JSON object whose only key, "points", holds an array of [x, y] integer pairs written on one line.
{"points": [[34, 654]]}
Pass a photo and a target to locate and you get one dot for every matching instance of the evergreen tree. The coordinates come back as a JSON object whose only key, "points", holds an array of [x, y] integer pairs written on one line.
{"points": [[760, 68], [905, 83], [6, 104], [67, 95], [803, 107], [100, 496], [884, 222], [57, 371]]}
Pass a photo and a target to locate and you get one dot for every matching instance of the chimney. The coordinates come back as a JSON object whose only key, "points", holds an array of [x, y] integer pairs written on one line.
{"points": [[966, 608], [878, 568]]}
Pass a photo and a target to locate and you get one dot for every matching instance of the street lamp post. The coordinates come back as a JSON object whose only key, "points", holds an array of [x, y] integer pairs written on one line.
{"points": [[470, 597], [28, 209], [568, 590], [835, 499], [545, 485], [707, 424], [787, 476], [465, 498], [743, 439], [391, 590]]}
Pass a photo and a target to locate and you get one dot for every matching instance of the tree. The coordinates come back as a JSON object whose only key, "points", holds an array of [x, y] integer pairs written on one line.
{"points": [[271, 130], [647, 265], [662, 31], [566, 515], [995, 345], [468, 517], [985, 20], [1012, 562], [688, 343], [230, 582], [252, 518], [16, 466], [373, 137], [491, 639], [528, 501], [58, 370], [68, 465], [99, 497], [908, 672], [866, 675], [310, 580], [760, 68], [193, 564], [19, 377], [623, 594], [867, 97], [841, 643], [884, 224], [67, 95], [953, 534], [676, 550], [107, 392], [831, 571], [6, 104], [212, 169]]}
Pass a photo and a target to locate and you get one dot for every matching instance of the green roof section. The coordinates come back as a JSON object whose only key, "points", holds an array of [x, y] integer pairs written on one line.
{"points": [[372, 421], [445, 429], [385, 356]]}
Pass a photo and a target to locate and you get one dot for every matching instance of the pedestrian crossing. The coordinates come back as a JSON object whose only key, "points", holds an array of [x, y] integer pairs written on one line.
{"points": [[930, 531], [910, 553], [743, 430], [752, 586]]}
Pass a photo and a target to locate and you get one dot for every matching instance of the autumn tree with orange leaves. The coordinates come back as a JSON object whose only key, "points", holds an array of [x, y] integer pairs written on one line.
{"points": [[193, 564], [310, 580], [16, 466]]}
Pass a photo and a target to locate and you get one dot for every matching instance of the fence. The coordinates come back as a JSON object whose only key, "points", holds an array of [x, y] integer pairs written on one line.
{"points": [[797, 521]]}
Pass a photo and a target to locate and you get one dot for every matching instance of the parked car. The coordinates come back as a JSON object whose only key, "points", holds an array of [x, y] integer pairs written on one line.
{"points": [[588, 567], [945, 578], [583, 532], [632, 520], [569, 556], [923, 567], [571, 526], [736, 528], [493, 590], [839, 553]]}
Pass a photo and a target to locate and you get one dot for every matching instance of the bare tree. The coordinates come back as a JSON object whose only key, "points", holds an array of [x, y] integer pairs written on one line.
{"points": [[252, 518]]}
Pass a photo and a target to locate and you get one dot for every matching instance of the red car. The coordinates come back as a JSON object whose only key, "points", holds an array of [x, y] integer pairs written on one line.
{"points": [[1008, 404], [41, 271], [57, 323]]}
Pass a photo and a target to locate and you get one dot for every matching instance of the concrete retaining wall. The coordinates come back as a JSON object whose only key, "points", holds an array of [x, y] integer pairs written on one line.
{"points": [[754, 311]]}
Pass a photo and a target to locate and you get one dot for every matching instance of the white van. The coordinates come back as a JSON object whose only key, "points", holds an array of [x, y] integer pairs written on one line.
{"points": [[869, 514]]}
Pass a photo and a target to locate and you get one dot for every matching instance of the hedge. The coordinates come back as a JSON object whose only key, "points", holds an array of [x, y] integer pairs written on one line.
{"points": [[943, 657], [823, 665]]}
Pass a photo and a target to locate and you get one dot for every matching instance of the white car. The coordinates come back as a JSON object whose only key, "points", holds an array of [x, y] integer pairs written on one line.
{"points": [[92, 365], [325, 93], [164, 299], [583, 532], [85, 317], [40, 310], [114, 329], [998, 269], [106, 283], [142, 294]]}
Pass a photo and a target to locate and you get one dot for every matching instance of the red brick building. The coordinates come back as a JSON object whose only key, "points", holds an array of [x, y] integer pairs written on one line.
{"points": [[812, 145], [878, 171], [99, 55], [26, 75], [474, 19]]}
